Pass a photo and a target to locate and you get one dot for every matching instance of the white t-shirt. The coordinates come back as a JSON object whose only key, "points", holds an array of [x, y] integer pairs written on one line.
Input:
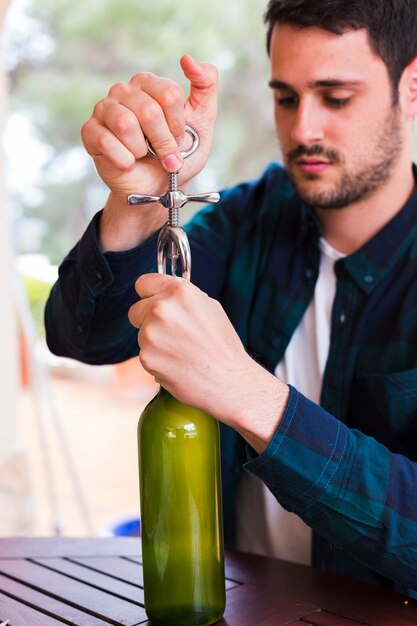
{"points": [[263, 526]]}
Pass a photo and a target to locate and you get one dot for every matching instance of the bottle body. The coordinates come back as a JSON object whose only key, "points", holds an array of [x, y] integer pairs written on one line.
{"points": [[181, 514]]}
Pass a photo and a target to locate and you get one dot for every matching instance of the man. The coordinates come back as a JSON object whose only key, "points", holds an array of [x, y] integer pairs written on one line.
{"points": [[315, 267]]}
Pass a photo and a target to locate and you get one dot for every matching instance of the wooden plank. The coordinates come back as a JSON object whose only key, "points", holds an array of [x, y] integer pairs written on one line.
{"points": [[32, 547], [231, 584], [76, 593], [124, 569], [45, 604], [104, 581], [324, 618], [250, 605], [20, 614]]}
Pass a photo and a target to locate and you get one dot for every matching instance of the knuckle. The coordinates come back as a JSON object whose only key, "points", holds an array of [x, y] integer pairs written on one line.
{"points": [[146, 362], [147, 355], [150, 337], [103, 143], [123, 123], [85, 129], [127, 165], [172, 95], [131, 316], [99, 107], [118, 89], [138, 283], [150, 111], [140, 78], [176, 288], [158, 310], [164, 145]]}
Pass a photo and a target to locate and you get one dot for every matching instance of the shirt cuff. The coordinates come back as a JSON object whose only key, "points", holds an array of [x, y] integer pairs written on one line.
{"points": [[113, 271], [302, 459]]}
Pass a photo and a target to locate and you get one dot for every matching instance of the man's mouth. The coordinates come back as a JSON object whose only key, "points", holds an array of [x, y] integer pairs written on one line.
{"points": [[312, 160], [313, 165]]}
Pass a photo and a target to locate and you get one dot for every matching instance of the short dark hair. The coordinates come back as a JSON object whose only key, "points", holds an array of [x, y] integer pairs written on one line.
{"points": [[391, 25]]}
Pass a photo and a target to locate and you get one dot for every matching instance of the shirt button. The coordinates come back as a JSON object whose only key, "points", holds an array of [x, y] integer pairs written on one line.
{"points": [[309, 273], [276, 341], [342, 318], [368, 279], [79, 329], [99, 274]]}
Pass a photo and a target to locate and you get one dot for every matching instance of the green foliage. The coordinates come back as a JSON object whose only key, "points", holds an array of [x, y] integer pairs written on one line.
{"points": [[37, 292]]}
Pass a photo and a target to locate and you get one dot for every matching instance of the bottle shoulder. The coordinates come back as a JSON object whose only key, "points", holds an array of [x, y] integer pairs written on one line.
{"points": [[166, 413]]}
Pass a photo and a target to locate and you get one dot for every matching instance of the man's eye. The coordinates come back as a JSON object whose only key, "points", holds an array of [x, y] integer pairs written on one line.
{"points": [[337, 103], [287, 102]]}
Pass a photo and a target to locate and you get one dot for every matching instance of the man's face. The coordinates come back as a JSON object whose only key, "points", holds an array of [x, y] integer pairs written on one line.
{"points": [[340, 134]]}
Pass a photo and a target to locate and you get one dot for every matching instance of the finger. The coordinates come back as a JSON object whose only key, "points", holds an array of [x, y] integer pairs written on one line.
{"points": [[132, 113], [203, 79], [155, 127], [137, 313], [170, 97], [101, 143], [149, 285], [124, 124], [159, 106]]}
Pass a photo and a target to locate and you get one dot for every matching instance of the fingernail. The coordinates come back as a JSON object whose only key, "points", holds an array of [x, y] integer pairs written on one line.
{"points": [[180, 140], [172, 163]]}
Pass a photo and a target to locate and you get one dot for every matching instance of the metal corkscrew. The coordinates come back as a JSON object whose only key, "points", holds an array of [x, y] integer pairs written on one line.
{"points": [[172, 240]]}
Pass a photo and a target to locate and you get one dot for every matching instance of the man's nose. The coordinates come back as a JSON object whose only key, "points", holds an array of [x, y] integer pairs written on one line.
{"points": [[308, 124]]}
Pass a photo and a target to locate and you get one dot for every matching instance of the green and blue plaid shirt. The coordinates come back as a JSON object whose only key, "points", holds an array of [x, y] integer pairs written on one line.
{"points": [[349, 466]]}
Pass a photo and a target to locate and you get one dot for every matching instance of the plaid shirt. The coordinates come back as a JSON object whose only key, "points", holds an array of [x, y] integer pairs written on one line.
{"points": [[349, 466]]}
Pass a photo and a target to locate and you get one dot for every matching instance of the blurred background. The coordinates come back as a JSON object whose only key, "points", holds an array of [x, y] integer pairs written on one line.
{"points": [[68, 431]]}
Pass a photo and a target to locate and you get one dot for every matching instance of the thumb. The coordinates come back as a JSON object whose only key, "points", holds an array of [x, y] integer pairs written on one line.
{"points": [[203, 83], [148, 285]]}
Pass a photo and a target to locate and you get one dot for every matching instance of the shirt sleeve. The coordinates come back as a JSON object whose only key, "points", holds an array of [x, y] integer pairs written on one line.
{"points": [[86, 313], [348, 487]]}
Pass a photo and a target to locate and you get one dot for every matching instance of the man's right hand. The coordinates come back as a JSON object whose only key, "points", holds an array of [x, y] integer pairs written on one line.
{"points": [[155, 108]]}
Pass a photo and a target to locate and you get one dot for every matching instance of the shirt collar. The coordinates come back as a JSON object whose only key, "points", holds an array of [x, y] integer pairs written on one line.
{"points": [[373, 261], [370, 264]]}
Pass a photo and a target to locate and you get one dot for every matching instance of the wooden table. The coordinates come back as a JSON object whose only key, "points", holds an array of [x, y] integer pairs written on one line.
{"points": [[96, 582]]}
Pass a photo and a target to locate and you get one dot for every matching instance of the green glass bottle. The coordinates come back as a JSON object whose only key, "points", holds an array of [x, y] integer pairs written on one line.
{"points": [[181, 514]]}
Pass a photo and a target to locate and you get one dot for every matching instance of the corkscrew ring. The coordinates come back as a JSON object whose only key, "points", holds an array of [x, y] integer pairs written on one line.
{"points": [[184, 153], [173, 242]]}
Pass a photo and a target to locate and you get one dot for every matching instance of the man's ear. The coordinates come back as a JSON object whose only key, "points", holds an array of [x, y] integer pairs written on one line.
{"points": [[408, 89]]}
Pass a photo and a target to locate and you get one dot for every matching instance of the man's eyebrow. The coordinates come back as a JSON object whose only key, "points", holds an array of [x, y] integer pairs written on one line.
{"points": [[325, 82]]}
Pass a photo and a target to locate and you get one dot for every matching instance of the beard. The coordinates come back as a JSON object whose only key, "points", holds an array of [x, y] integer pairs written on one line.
{"points": [[365, 176]]}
